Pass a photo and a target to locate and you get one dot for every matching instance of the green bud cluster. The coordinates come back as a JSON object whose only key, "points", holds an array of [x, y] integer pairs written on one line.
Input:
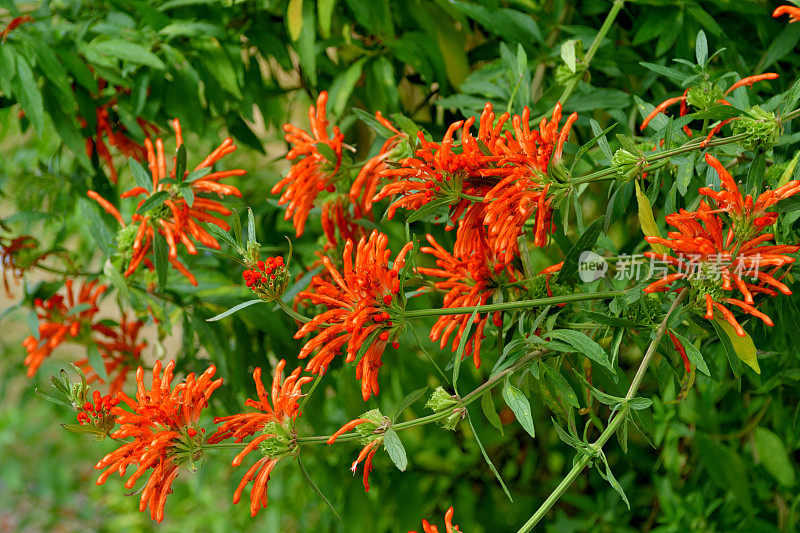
{"points": [[763, 129]]}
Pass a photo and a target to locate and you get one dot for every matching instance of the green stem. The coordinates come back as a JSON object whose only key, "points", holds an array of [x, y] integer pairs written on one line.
{"points": [[506, 306], [291, 312], [612, 15], [610, 429]]}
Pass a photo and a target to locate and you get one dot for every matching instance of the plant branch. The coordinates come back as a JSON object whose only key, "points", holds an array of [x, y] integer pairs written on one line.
{"points": [[597, 446]]}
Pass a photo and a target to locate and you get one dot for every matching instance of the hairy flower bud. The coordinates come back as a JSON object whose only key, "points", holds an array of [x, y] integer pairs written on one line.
{"points": [[763, 129]]}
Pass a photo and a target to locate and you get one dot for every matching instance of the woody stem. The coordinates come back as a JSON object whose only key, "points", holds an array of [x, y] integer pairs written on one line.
{"points": [[597, 446]]}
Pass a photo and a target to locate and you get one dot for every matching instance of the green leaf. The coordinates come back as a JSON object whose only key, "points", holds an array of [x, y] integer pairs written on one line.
{"points": [[488, 460], [755, 174], [773, 455], [586, 242], [140, 175], [701, 48], [180, 163], [410, 399], [489, 411], [96, 362], [97, 226], [638, 404], [613, 481], [188, 194], [234, 309], [52, 399], [161, 259], [508, 24], [671, 73], [152, 201], [742, 347], [693, 354], [342, 87], [582, 344], [790, 98], [646, 219], [394, 447], [428, 209], [373, 123], [85, 429], [520, 405], [725, 468], [314, 486], [718, 112], [197, 174], [568, 54], [251, 227], [30, 97], [559, 385], [685, 172], [128, 51], [294, 18], [325, 14]]}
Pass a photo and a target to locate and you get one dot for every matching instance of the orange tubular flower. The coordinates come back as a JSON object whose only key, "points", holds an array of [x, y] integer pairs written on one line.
{"points": [[274, 411], [15, 23], [744, 210], [59, 319], [713, 93], [312, 173], [120, 349], [163, 426], [703, 249], [448, 524], [177, 217], [792, 11], [366, 183], [367, 452], [362, 304], [9, 259], [468, 280]]}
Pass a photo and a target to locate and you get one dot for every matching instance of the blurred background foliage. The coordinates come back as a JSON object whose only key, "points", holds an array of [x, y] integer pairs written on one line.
{"points": [[720, 457]]}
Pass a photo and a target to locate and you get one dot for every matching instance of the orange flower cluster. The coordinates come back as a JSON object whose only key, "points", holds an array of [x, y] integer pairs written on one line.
{"points": [[313, 172], [109, 127], [362, 303], [60, 317], [684, 101], [706, 246], [792, 11], [496, 180], [178, 216], [367, 452], [120, 349], [278, 407], [163, 426], [448, 524], [100, 411], [468, 280]]}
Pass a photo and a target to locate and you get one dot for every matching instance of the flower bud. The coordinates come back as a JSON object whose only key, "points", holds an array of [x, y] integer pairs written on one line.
{"points": [[763, 129]]}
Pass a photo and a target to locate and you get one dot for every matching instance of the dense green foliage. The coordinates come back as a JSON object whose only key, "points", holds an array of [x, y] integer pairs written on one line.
{"points": [[710, 454]]}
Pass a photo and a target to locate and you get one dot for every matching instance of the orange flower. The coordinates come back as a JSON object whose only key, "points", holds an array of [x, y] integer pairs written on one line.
{"points": [[512, 202], [714, 264], [312, 173], [178, 217], [10, 261], [743, 210], [468, 280], [792, 11], [448, 524], [366, 183], [685, 99], [370, 438], [109, 126], [163, 426], [59, 319], [15, 23], [362, 304], [273, 412], [120, 349]]}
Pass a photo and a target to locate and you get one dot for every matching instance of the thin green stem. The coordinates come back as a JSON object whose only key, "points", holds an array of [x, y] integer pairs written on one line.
{"points": [[291, 312], [610, 18], [506, 306], [597, 446]]}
